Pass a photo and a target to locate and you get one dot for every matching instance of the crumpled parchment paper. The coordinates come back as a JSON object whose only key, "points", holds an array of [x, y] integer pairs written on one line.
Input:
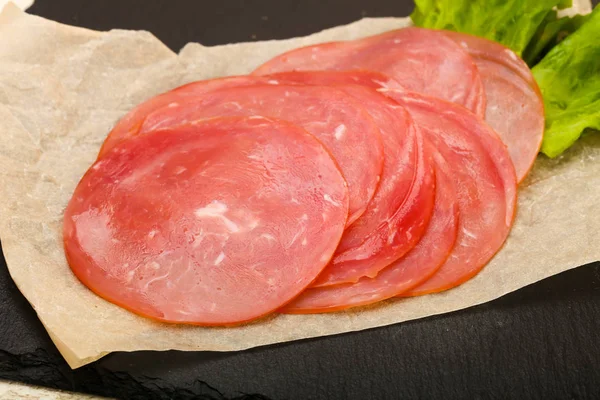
{"points": [[22, 4], [62, 89]]}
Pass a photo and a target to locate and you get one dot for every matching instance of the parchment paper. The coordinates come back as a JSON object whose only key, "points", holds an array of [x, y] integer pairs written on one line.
{"points": [[63, 88], [22, 4]]}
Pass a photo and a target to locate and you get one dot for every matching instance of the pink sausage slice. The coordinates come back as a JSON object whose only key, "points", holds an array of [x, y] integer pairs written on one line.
{"points": [[214, 223], [420, 60], [417, 266], [515, 107], [129, 125], [338, 120], [486, 185], [398, 214]]}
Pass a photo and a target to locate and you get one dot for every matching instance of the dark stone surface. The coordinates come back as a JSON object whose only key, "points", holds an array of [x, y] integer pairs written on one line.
{"points": [[537, 343], [212, 22]]}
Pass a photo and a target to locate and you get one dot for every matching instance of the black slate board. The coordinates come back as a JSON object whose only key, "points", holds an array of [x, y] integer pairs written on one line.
{"points": [[537, 343]]}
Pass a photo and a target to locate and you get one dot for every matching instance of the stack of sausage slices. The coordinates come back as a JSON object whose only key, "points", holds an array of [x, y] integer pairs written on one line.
{"points": [[333, 176]]}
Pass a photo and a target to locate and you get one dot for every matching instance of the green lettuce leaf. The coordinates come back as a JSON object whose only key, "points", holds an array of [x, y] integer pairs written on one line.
{"points": [[510, 22], [569, 78], [551, 32]]}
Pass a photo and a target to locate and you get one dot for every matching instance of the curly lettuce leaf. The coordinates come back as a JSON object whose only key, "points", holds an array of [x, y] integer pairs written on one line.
{"points": [[551, 32], [510, 22], [569, 78]]}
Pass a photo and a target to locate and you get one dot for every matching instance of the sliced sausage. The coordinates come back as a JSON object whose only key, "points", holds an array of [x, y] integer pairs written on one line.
{"points": [[130, 124], [212, 223], [335, 118], [485, 183], [420, 60], [515, 107], [398, 215], [418, 265]]}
